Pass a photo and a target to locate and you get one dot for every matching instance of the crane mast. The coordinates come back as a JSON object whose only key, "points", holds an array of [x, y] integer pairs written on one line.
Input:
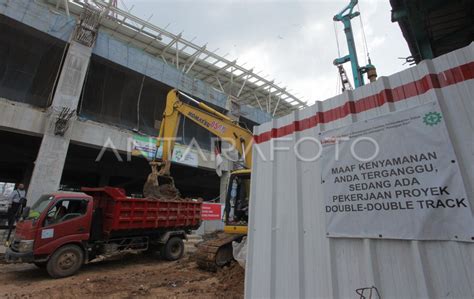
{"points": [[345, 16]]}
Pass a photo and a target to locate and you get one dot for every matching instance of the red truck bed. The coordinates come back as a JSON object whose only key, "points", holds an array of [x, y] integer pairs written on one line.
{"points": [[122, 213]]}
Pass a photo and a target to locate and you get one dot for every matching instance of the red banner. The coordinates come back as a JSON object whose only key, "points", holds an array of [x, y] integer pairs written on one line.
{"points": [[211, 211]]}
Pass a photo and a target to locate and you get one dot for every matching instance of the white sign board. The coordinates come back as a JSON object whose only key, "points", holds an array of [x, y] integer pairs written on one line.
{"points": [[47, 233], [184, 155], [146, 146], [395, 176]]}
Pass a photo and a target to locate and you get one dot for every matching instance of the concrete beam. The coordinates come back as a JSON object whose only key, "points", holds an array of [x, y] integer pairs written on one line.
{"points": [[25, 119], [20, 117]]}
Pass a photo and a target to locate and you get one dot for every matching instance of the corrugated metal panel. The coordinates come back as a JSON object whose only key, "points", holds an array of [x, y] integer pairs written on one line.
{"points": [[289, 255]]}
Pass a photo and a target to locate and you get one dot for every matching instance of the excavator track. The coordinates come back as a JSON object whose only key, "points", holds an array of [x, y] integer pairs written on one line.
{"points": [[215, 253]]}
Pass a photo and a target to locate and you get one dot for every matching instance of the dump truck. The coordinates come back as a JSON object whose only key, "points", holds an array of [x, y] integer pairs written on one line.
{"points": [[64, 230]]}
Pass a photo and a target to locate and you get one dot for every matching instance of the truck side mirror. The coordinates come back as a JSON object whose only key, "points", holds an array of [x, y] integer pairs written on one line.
{"points": [[26, 212]]}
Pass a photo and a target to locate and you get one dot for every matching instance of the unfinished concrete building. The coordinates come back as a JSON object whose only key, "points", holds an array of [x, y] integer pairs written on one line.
{"points": [[75, 76]]}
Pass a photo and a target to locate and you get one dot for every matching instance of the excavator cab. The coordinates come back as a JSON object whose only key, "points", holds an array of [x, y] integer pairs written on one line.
{"points": [[218, 252], [236, 212]]}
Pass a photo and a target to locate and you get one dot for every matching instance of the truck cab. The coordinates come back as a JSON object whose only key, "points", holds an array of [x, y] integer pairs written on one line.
{"points": [[54, 220], [64, 230]]}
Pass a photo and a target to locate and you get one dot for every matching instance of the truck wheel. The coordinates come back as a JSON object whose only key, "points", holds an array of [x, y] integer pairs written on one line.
{"points": [[66, 261], [173, 249]]}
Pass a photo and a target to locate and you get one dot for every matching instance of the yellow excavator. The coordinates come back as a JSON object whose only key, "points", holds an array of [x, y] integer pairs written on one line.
{"points": [[216, 252]]}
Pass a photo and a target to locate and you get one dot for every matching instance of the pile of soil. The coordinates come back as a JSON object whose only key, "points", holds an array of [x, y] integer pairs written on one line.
{"points": [[133, 276], [232, 277]]}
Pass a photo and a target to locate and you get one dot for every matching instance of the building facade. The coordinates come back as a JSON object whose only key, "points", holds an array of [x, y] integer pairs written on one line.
{"points": [[74, 94]]}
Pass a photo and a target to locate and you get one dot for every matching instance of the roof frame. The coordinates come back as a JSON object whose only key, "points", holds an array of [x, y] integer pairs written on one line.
{"points": [[202, 64]]}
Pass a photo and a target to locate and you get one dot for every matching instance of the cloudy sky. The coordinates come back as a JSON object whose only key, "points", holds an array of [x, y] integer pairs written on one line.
{"points": [[291, 41]]}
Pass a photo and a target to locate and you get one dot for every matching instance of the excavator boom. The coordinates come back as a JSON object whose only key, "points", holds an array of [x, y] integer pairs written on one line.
{"points": [[210, 119]]}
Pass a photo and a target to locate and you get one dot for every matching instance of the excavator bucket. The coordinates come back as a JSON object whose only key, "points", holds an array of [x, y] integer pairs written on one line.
{"points": [[160, 184]]}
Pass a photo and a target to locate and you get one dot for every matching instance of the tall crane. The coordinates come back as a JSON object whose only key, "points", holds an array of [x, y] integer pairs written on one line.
{"points": [[345, 16]]}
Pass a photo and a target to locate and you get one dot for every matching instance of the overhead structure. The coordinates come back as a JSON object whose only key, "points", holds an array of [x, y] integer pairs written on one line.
{"points": [[345, 16], [243, 85], [433, 28]]}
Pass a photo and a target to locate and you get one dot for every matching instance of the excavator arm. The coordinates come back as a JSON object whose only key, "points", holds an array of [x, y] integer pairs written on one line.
{"points": [[208, 118]]}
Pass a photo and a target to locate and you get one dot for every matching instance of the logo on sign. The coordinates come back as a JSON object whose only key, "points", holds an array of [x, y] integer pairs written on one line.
{"points": [[432, 118]]}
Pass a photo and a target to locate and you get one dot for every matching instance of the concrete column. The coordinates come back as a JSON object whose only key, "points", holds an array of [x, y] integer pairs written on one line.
{"points": [[27, 174], [214, 225], [223, 185], [211, 226], [49, 163]]}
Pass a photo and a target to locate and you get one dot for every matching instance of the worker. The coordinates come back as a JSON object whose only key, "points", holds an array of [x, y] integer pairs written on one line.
{"points": [[17, 203]]}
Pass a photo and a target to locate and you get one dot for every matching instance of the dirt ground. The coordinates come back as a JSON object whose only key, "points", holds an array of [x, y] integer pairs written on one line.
{"points": [[137, 276]]}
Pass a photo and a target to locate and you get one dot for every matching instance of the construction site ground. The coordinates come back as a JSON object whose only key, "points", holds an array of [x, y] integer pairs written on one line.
{"points": [[136, 276]]}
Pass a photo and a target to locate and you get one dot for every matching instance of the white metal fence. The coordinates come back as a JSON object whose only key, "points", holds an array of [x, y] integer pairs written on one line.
{"points": [[290, 255]]}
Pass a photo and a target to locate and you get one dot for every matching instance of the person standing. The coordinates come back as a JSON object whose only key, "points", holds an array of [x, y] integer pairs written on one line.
{"points": [[17, 203]]}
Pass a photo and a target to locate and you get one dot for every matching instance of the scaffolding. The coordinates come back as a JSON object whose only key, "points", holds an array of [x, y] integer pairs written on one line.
{"points": [[243, 85]]}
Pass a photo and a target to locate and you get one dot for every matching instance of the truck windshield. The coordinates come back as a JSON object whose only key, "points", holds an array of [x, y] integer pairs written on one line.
{"points": [[39, 206]]}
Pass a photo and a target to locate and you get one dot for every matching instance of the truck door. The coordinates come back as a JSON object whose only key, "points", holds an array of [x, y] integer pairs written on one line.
{"points": [[68, 220]]}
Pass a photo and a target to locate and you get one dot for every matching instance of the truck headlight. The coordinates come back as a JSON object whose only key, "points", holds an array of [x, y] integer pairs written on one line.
{"points": [[25, 245]]}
